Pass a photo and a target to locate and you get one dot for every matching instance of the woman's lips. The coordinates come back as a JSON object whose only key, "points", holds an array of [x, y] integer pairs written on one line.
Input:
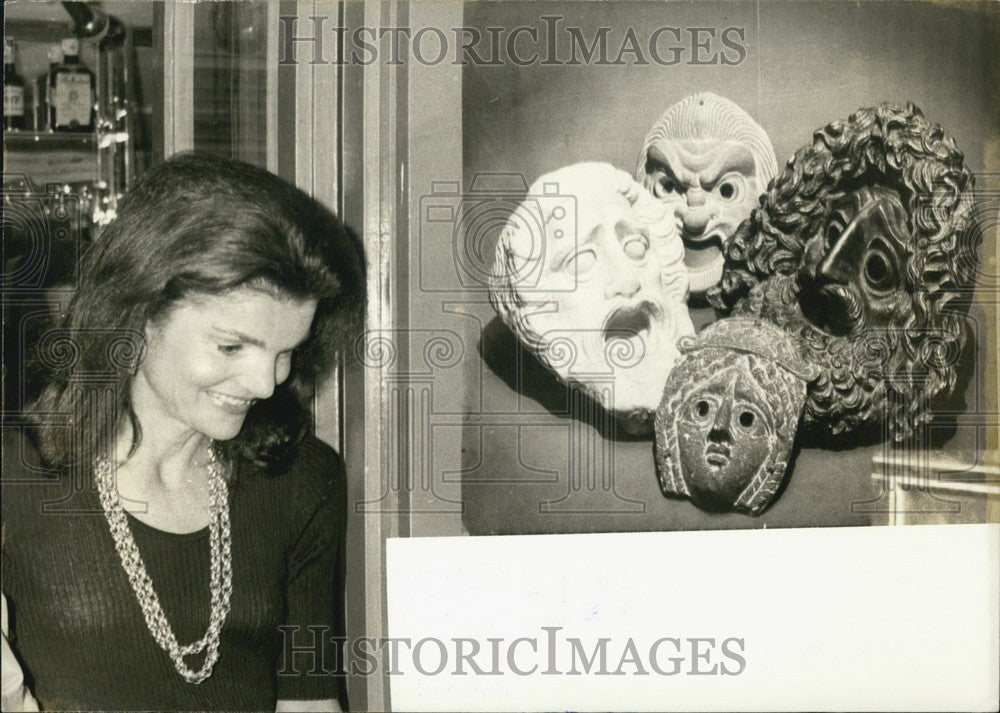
{"points": [[231, 404]]}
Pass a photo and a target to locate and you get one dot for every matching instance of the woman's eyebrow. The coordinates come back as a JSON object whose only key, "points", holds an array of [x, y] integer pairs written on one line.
{"points": [[254, 341], [239, 335]]}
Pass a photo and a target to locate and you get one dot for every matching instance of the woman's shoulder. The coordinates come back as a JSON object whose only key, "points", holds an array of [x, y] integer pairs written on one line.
{"points": [[316, 463], [313, 474], [26, 482], [22, 460], [317, 458], [20, 454]]}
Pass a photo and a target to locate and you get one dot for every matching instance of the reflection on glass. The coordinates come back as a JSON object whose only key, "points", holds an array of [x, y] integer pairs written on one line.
{"points": [[230, 53]]}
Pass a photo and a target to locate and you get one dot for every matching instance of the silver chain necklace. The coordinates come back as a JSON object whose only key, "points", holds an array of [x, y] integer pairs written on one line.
{"points": [[221, 576]]}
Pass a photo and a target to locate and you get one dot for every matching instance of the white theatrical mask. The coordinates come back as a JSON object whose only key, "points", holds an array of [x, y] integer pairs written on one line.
{"points": [[709, 161], [589, 274]]}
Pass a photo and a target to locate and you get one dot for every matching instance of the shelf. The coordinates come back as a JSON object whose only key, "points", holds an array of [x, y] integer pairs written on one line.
{"points": [[22, 140], [51, 158], [920, 487]]}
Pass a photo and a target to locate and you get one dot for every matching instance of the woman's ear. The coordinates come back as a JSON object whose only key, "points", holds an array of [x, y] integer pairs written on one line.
{"points": [[138, 345], [151, 332]]}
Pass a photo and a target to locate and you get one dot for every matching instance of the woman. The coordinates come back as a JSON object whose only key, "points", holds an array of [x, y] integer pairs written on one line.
{"points": [[170, 527]]}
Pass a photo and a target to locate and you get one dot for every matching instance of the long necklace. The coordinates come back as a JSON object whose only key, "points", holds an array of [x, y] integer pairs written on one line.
{"points": [[221, 576]]}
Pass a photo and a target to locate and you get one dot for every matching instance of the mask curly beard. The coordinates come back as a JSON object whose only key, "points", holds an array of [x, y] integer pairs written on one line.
{"points": [[875, 220], [867, 378]]}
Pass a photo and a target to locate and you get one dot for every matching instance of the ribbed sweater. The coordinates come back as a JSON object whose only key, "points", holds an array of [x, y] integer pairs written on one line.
{"points": [[76, 624]]}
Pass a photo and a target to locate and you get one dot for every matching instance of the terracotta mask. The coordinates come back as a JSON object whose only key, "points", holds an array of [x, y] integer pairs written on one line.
{"points": [[589, 274], [709, 162], [731, 406]]}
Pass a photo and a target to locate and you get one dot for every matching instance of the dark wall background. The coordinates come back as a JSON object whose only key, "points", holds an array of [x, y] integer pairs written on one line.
{"points": [[527, 464], [808, 63]]}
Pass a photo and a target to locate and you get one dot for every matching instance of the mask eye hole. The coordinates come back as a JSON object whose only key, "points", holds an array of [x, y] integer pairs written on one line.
{"points": [[729, 187], [665, 186], [581, 263], [877, 271], [746, 419], [833, 232], [702, 408], [635, 247]]}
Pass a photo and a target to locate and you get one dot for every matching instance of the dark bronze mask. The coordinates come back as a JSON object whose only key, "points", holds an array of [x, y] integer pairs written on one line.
{"points": [[853, 272], [726, 426], [861, 249]]}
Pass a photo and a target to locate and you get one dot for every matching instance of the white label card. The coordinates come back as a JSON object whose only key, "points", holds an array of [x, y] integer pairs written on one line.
{"points": [[874, 618]]}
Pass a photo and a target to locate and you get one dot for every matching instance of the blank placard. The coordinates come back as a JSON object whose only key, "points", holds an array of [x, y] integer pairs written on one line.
{"points": [[873, 618]]}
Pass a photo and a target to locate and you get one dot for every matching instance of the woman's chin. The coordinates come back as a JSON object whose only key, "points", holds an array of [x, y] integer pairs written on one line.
{"points": [[223, 431]]}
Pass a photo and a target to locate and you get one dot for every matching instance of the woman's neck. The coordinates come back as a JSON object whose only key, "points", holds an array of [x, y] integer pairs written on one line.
{"points": [[168, 458]]}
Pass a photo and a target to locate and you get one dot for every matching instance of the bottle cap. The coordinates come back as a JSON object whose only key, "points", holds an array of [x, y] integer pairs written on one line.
{"points": [[71, 46], [55, 54]]}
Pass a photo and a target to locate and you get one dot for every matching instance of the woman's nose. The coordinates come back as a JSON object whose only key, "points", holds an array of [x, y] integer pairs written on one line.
{"points": [[260, 379]]}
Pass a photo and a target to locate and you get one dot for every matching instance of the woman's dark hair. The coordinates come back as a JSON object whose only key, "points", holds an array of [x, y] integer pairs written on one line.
{"points": [[197, 224]]}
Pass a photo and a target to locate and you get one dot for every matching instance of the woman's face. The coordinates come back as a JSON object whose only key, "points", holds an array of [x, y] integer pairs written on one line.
{"points": [[212, 357]]}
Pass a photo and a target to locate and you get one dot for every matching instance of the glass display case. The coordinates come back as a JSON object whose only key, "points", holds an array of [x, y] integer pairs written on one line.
{"points": [[83, 137], [447, 425], [93, 156], [63, 173]]}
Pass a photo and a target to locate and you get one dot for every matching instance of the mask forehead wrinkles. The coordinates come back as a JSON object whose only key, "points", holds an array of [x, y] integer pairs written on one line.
{"points": [[703, 162], [668, 155], [726, 158]]}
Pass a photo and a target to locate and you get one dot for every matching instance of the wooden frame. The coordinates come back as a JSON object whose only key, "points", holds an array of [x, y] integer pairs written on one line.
{"points": [[372, 152], [342, 132], [178, 77]]}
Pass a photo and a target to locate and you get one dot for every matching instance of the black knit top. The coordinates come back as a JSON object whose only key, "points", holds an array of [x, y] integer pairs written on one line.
{"points": [[76, 624]]}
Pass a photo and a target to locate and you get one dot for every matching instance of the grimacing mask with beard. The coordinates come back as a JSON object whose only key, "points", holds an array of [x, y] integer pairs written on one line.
{"points": [[863, 249], [848, 304], [709, 161], [726, 426], [589, 275]]}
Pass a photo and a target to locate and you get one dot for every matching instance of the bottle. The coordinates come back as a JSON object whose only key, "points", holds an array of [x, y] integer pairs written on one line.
{"points": [[42, 90], [72, 90], [13, 90]]}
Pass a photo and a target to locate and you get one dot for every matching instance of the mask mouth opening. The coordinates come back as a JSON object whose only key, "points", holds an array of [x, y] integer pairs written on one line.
{"points": [[834, 308], [717, 455], [630, 322], [710, 240]]}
